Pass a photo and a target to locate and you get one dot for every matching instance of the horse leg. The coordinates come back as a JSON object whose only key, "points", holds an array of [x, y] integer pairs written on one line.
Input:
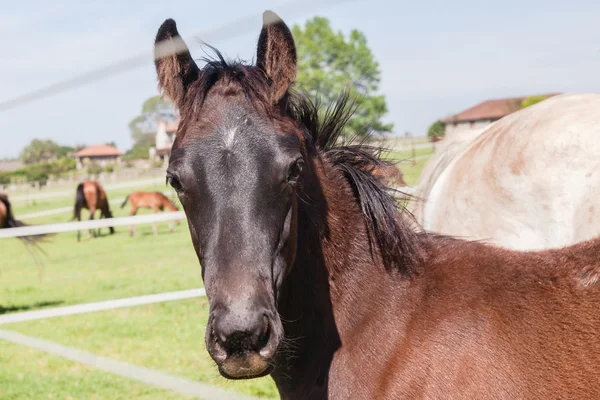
{"points": [[154, 229], [132, 227], [79, 231], [91, 233], [171, 226]]}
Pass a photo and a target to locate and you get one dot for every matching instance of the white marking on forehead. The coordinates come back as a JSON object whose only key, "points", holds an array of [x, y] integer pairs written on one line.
{"points": [[230, 136]]}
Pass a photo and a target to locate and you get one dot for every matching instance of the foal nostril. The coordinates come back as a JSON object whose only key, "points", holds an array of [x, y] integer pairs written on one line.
{"points": [[264, 334], [236, 338]]}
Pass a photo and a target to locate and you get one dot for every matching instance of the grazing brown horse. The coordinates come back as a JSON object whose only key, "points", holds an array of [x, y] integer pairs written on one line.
{"points": [[153, 200], [6, 217], [315, 277], [92, 196]]}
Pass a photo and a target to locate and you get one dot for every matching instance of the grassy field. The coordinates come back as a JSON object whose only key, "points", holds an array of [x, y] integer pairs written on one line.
{"points": [[166, 336], [412, 171], [31, 374], [110, 266]]}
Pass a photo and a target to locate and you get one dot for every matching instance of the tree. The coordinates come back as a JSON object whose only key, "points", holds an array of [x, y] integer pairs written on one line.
{"points": [[531, 100], [143, 127], [40, 151], [329, 62], [437, 129], [65, 151], [139, 152]]}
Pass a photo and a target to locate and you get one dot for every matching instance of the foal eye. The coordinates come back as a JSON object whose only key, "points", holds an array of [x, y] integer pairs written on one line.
{"points": [[295, 170], [174, 182]]}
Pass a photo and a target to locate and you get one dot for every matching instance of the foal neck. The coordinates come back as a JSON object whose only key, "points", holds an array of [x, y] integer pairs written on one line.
{"points": [[333, 251]]}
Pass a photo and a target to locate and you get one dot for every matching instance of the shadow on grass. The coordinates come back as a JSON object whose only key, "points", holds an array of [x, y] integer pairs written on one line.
{"points": [[27, 307]]}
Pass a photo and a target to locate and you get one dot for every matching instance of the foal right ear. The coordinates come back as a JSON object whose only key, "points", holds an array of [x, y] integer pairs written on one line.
{"points": [[174, 64], [276, 54]]}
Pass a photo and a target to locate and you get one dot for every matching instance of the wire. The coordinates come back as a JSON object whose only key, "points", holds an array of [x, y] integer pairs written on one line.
{"points": [[229, 30]]}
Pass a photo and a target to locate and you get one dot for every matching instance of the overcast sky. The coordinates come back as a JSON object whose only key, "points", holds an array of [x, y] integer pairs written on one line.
{"points": [[437, 57]]}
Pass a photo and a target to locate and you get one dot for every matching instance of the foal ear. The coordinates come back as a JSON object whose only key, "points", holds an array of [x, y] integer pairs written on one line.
{"points": [[276, 54], [174, 65]]}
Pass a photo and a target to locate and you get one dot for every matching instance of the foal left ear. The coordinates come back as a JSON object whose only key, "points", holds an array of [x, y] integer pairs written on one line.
{"points": [[276, 54]]}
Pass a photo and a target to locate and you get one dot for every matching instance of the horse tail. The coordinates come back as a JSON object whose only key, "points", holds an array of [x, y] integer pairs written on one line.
{"points": [[79, 202], [125, 202], [12, 222]]}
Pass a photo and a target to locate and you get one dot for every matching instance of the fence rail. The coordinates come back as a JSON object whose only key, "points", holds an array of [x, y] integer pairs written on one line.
{"points": [[90, 224]]}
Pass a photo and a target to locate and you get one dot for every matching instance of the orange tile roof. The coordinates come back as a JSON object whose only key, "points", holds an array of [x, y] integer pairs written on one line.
{"points": [[101, 150], [491, 109]]}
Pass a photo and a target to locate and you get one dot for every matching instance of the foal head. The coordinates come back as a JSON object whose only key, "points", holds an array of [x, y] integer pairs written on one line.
{"points": [[236, 163]]}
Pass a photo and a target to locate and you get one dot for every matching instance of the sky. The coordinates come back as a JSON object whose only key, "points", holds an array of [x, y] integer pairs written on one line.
{"points": [[437, 58]]}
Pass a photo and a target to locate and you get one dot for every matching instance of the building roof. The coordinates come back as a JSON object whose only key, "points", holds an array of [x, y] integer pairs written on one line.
{"points": [[491, 109], [101, 150]]}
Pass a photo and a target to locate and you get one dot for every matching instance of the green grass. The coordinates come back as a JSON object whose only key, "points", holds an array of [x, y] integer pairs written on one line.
{"points": [[408, 154], [107, 267], [412, 172], [111, 266], [411, 167], [26, 373], [165, 336]]}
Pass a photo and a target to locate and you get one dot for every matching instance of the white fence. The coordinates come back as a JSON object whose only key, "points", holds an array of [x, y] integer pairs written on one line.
{"points": [[90, 224], [64, 193]]}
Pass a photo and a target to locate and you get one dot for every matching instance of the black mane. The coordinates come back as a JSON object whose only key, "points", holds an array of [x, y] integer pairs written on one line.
{"points": [[388, 228]]}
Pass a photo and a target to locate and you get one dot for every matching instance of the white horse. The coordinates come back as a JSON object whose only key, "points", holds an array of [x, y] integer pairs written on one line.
{"points": [[529, 181]]}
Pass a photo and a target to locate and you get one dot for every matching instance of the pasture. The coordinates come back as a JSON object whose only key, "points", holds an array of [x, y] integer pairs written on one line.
{"points": [[168, 336]]}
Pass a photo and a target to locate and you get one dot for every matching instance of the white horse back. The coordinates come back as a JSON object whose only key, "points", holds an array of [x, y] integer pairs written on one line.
{"points": [[529, 181]]}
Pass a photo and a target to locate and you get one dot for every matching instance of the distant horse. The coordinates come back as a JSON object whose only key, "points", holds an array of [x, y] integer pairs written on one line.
{"points": [[7, 220], [92, 196], [529, 181], [315, 277], [153, 200]]}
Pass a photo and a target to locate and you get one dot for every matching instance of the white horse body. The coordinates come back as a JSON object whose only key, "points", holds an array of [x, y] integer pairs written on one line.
{"points": [[529, 181]]}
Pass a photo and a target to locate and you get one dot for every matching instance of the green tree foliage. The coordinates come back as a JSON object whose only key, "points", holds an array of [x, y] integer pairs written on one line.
{"points": [[143, 126], [39, 150], [437, 129], [65, 151], [329, 62], [531, 100], [39, 171], [93, 168], [139, 152]]}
